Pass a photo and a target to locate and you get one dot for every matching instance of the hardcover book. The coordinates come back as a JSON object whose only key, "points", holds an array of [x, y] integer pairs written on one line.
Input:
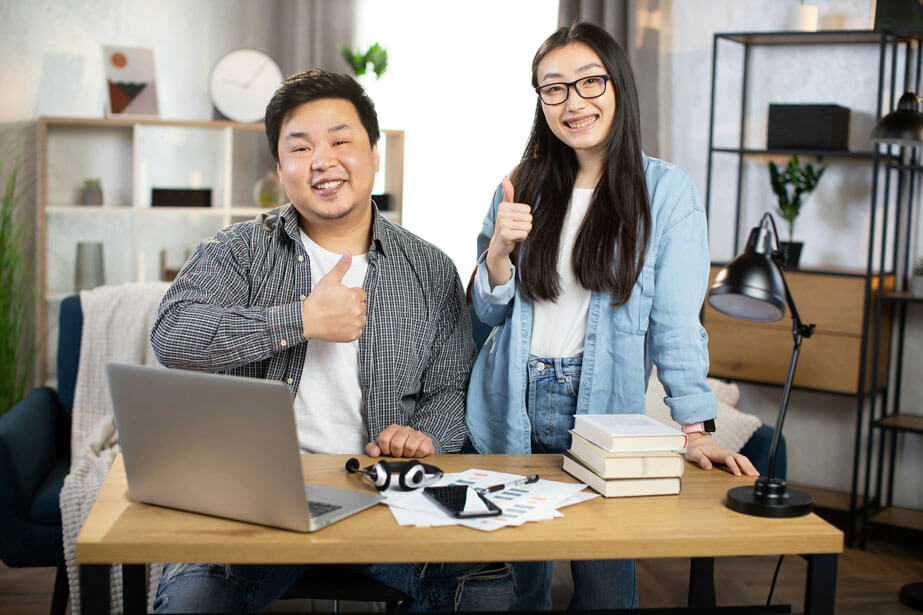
{"points": [[650, 464], [620, 487], [629, 432]]}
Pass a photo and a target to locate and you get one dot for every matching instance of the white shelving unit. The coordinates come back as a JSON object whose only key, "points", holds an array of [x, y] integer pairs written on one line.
{"points": [[130, 157]]}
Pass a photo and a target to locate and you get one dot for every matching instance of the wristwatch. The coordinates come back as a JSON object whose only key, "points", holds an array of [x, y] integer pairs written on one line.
{"points": [[702, 426]]}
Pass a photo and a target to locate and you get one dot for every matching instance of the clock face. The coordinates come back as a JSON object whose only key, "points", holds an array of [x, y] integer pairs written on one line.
{"points": [[241, 84]]}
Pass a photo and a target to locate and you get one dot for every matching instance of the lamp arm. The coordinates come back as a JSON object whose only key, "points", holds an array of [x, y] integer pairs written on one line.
{"points": [[783, 405], [799, 332]]}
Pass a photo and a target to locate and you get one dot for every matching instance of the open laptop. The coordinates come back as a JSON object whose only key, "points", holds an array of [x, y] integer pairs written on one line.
{"points": [[219, 445]]}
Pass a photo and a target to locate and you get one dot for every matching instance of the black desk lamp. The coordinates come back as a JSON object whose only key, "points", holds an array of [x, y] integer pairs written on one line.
{"points": [[904, 127], [753, 287]]}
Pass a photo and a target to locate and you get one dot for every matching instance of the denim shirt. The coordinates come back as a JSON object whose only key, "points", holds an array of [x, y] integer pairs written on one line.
{"points": [[658, 324]]}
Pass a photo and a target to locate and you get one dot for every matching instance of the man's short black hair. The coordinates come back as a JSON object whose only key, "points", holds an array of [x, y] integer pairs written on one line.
{"points": [[314, 85]]}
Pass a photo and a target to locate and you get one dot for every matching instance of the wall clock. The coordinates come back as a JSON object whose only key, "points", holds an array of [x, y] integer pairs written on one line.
{"points": [[241, 84]]}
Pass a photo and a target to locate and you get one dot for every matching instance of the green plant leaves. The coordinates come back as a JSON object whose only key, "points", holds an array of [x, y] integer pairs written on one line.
{"points": [[376, 55], [15, 291], [791, 185]]}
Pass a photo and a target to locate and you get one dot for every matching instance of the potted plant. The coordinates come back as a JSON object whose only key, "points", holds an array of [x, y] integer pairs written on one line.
{"points": [[376, 55], [92, 192], [916, 283], [792, 185], [16, 293]]}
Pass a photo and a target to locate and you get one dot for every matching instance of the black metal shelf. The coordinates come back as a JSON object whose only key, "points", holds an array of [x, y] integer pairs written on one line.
{"points": [[821, 37], [816, 153], [873, 395]]}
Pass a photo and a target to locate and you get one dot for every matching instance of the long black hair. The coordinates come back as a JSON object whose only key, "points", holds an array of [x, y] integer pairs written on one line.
{"points": [[609, 248]]}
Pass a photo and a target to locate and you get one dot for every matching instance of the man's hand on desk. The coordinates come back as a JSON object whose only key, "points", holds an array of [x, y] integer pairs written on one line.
{"points": [[400, 441], [703, 450]]}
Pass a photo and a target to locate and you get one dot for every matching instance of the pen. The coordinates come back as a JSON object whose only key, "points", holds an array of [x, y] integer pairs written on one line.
{"points": [[519, 481]]}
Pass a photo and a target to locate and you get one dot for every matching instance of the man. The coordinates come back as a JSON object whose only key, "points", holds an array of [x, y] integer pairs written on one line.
{"points": [[365, 322]]}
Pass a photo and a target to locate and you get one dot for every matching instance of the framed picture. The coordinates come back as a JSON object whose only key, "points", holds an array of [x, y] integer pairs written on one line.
{"points": [[130, 81]]}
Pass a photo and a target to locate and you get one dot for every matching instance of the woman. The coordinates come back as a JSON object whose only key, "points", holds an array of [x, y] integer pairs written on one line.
{"points": [[593, 263]]}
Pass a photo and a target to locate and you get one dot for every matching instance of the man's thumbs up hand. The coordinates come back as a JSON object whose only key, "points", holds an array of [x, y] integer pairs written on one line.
{"points": [[333, 312]]}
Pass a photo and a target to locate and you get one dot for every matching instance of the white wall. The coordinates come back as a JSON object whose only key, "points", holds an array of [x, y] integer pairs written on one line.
{"points": [[458, 84], [819, 429]]}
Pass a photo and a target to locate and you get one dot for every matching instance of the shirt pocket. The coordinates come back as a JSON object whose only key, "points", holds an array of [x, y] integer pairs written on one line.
{"points": [[411, 345], [633, 316]]}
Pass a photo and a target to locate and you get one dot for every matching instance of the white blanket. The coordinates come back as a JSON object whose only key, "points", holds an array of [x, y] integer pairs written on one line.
{"points": [[117, 323]]}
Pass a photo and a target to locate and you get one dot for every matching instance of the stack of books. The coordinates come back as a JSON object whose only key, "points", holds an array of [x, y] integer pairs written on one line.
{"points": [[622, 455]]}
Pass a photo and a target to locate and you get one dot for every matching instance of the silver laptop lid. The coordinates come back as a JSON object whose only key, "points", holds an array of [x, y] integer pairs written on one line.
{"points": [[190, 441]]}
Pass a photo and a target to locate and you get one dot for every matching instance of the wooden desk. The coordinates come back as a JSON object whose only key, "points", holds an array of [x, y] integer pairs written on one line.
{"points": [[695, 524]]}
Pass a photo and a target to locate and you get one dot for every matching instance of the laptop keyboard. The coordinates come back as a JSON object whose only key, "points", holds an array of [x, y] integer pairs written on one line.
{"points": [[320, 508]]}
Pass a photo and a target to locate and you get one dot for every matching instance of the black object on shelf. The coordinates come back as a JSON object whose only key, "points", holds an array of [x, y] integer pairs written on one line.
{"points": [[822, 127], [753, 287], [181, 197]]}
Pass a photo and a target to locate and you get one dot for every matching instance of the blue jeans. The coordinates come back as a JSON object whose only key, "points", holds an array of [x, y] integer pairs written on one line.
{"points": [[220, 588], [598, 584]]}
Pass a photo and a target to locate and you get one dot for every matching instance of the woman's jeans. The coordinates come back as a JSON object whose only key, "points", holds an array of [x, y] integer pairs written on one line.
{"points": [[598, 584], [220, 588]]}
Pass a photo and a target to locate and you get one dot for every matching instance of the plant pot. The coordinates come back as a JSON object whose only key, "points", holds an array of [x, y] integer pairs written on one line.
{"points": [[91, 196], [791, 253]]}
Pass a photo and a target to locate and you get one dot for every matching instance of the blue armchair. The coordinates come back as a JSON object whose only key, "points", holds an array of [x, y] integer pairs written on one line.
{"points": [[35, 458]]}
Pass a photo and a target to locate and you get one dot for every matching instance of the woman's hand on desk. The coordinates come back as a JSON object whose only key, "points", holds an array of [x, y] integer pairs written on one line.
{"points": [[703, 450], [400, 441]]}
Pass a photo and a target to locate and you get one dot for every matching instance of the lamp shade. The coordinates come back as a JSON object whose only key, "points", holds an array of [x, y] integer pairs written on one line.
{"points": [[751, 286], [903, 126]]}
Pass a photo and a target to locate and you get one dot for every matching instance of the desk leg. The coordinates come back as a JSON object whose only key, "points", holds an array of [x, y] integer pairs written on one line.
{"points": [[134, 588], [94, 588], [820, 592], [702, 582]]}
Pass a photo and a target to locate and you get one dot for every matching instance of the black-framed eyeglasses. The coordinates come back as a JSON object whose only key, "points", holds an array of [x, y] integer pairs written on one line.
{"points": [[586, 87]]}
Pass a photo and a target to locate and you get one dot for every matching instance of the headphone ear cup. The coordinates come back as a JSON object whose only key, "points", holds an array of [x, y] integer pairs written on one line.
{"points": [[380, 475], [412, 476]]}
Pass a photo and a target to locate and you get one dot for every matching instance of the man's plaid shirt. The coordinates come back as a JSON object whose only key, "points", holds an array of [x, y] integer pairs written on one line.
{"points": [[235, 308]]}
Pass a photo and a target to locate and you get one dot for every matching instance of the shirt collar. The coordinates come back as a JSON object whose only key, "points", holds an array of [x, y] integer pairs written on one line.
{"points": [[381, 237]]}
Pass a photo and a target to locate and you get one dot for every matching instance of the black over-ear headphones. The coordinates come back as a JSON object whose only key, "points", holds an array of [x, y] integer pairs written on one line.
{"points": [[413, 474]]}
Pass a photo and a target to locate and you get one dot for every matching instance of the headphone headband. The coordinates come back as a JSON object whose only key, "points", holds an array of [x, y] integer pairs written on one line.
{"points": [[413, 473]]}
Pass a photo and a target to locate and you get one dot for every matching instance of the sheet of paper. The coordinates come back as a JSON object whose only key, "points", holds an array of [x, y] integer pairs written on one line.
{"points": [[522, 503]]}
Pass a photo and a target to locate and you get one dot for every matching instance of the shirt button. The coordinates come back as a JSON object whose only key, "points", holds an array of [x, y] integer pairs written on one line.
{"points": [[302, 297], [289, 380], [591, 336], [283, 343], [586, 383], [300, 258]]}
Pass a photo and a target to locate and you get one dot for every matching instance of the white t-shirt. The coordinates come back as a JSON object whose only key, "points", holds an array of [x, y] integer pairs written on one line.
{"points": [[558, 327], [328, 405]]}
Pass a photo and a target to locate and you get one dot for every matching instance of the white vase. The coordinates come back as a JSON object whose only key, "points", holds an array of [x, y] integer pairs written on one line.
{"points": [[802, 17]]}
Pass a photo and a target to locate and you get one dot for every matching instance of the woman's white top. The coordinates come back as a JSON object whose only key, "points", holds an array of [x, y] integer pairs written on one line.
{"points": [[558, 327]]}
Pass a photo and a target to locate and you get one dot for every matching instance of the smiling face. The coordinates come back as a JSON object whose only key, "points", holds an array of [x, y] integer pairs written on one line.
{"points": [[580, 123], [326, 162]]}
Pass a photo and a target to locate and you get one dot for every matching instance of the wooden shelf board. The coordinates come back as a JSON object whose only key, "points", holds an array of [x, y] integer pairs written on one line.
{"points": [[901, 297], [908, 518], [902, 422]]}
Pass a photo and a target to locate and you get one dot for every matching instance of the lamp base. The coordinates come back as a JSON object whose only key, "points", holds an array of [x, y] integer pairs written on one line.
{"points": [[769, 497]]}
